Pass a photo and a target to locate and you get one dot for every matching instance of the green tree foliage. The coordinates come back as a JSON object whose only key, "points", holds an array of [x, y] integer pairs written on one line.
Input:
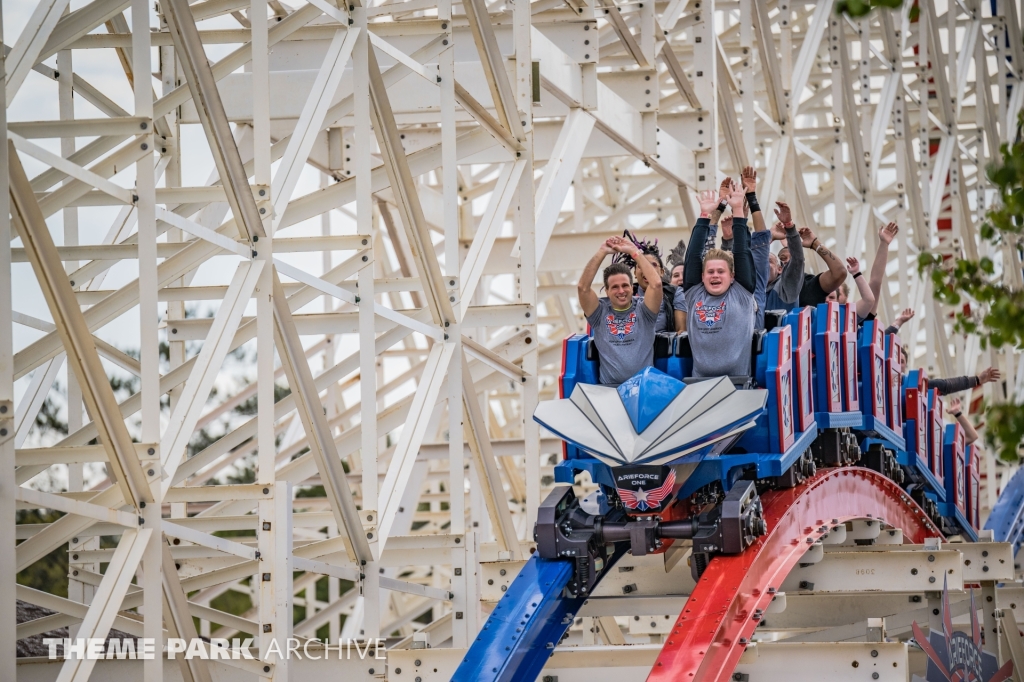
{"points": [[250, 406], [49, 419], [49, 574], [859, 8]]}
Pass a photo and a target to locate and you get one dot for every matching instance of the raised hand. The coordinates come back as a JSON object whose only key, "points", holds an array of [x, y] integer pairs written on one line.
{"points": [[724, 189], [726, 226], [904, 317], [953, 406], [888, 233], [852, 265], [707, 200], [778, 232], [621, 245], [807, 236], [783, 213], [748, 177], [606, 245], [737, 200], [990, 374]]}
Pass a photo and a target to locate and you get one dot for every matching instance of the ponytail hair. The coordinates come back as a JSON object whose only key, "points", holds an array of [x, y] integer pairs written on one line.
{"points": [[647, 248]]}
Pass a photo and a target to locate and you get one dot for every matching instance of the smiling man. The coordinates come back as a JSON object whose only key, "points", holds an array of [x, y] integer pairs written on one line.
{"points": [[622, 324], [719, 314]]}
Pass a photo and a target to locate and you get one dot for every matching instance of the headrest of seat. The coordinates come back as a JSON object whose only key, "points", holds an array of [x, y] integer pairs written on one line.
{"points": [[683, 346], [773, 318], [664, 344], [757, 342]]}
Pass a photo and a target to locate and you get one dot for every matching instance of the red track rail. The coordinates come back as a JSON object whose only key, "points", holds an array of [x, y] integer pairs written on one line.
{"points": [[717, 621]]}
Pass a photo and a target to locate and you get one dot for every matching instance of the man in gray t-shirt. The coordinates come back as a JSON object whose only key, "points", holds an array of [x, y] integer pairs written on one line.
{"points": [[720, 329], [622, 325], [624, 338], [719, 295]]}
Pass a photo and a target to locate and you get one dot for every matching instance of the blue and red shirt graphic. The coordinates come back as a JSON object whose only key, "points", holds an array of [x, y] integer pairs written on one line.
{"points": [[621, 328], [709, 314]]}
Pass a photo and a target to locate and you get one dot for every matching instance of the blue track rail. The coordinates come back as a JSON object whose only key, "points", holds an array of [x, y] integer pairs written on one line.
{"points": [[1007, 517], [525, 627]]}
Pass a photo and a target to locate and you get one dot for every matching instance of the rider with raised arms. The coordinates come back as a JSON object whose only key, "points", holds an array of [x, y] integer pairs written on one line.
{"points": [[719, 315], [622, 324]]}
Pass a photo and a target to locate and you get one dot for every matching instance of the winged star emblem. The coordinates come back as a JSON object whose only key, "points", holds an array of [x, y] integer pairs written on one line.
{"points": [[642, 500]]}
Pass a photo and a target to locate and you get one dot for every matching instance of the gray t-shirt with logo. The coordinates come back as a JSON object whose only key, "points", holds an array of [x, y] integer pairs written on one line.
{"points": [[624, 338], [720, 329]]}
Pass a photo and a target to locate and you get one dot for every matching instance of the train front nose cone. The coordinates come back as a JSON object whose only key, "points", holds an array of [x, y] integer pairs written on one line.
{"points": [[651, 419]]}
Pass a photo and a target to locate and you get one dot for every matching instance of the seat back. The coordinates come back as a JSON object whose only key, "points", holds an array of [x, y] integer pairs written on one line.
{"points": [[683, 349], [953, 454], [773, 368], [828, 373], [682, 357], [773, 318], [894, 382], [936, 460], [915, 407], [849, 355], [579, 363], [756, 347], [871, 348], [799, 321], [973, 485], [664, 349]]}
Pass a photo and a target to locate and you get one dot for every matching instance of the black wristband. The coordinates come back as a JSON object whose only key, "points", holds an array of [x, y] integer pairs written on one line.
{"points": [[722, 206], [857, 274], [752, 202], [956, 415]]}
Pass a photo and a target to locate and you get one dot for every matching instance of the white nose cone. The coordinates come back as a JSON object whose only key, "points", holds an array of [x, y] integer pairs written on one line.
{"points": [[652, 418]]}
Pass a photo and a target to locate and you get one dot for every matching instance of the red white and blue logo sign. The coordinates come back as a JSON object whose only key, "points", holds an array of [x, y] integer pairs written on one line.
{"points": [[958, 656], [644, 488]]}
